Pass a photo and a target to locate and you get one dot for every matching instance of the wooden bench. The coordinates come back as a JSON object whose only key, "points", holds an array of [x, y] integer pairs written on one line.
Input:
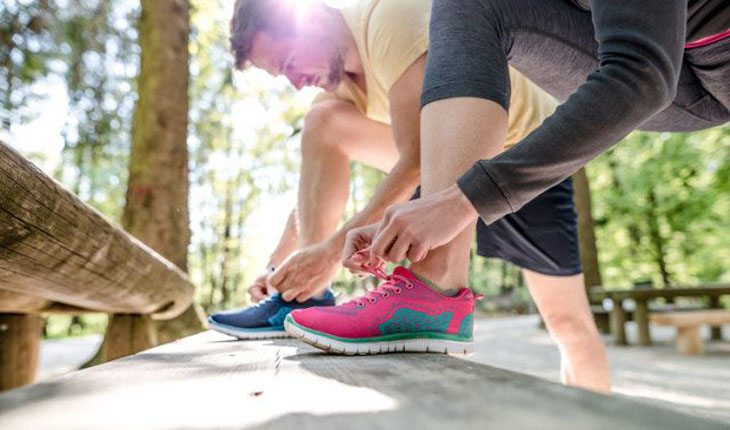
{"points": [[209, 381], [59, 255], [640, 310], [688, 326]]}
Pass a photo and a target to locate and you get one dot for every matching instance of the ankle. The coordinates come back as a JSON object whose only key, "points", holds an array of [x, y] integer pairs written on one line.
{"points": [[440, 279], [434, 286]]}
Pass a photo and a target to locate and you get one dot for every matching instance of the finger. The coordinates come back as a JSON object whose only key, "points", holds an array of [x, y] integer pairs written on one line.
{"points": [[289, 295], [417, 253], [256, 293], [381, 244], [278, 277], [354, 267], [305, 295], [398, 250]]}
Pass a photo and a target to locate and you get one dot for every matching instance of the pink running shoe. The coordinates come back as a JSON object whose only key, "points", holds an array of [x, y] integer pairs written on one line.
{"points": [[402, 314]]}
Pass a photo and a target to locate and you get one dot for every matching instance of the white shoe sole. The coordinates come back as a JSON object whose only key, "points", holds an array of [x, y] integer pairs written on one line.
{"points": [[248, 335], [439, 346]]}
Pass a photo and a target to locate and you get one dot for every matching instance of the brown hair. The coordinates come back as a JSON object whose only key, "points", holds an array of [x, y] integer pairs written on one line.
{"points": [[252, 16]]}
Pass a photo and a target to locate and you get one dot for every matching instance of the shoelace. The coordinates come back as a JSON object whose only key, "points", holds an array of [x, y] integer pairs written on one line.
{"points": [[268, 299], [390, 286]]}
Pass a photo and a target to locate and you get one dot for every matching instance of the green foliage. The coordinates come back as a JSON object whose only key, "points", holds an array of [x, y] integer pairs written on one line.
{"points": [[26, 48], [661, 205]]}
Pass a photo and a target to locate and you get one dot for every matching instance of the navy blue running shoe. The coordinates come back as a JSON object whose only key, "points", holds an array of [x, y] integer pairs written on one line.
{"points": [[263, 320]]}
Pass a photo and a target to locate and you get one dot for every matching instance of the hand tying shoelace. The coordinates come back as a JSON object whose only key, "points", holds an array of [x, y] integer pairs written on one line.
{"points": [[391, 285]]}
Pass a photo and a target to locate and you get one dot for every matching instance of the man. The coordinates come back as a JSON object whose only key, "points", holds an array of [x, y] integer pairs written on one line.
{"points": [[371, 58]]}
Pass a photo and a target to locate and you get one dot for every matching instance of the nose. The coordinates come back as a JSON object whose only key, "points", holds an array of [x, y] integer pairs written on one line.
{"points": [[296, 80]]}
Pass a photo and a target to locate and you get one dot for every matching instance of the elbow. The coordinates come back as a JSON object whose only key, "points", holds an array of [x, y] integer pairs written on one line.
{"points": [[647, 73], [661, 88], [654, 81]]}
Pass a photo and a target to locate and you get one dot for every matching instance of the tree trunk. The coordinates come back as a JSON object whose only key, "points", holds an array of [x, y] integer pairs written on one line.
{"points": [[156, 209], [586, 229], [657, 240]]}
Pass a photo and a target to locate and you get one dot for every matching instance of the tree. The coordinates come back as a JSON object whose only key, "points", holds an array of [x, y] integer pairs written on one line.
{"points": [[586, 229], [156, 209]]}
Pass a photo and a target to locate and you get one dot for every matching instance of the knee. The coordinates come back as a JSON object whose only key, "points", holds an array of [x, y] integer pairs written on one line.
{"points": [[570, 329], [323, 126]]}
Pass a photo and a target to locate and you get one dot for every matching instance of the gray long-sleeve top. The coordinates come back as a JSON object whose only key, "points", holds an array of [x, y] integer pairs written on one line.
{"points": [[641, 45]]}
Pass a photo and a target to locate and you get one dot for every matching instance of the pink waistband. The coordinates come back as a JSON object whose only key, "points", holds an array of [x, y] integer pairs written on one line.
{"points": [[707, 40]]}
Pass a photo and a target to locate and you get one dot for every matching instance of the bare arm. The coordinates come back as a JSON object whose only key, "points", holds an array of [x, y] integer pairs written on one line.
{"points": [[288, 242], [402, 180]]}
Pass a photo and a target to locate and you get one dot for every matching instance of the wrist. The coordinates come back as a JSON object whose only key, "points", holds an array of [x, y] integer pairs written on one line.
{"points": [[332, 248], [464, 205]]}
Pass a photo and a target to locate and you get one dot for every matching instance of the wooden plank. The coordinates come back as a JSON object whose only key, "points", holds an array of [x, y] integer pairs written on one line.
{"points": [[54, 247], [21, 303], [20, 338], [713, 317], [208, 381], [710, 290]]}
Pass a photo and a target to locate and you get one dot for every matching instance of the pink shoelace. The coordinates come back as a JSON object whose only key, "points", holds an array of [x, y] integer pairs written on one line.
{"points": [[392, 285]]}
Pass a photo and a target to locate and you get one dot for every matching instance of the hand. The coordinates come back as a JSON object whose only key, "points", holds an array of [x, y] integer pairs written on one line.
{"points": [[356, 250], [306, 273], [260, 289], [410, 230]]}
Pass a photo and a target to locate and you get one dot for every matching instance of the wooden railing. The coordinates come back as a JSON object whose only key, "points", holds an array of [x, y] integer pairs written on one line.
{"points": [[59, 255]]}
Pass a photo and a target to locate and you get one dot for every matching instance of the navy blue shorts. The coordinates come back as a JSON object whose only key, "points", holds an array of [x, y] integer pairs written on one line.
{"points": [[541, 237]]}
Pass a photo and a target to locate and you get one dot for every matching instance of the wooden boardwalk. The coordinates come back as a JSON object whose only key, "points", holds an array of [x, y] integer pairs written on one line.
{"points": [[208, 381]]}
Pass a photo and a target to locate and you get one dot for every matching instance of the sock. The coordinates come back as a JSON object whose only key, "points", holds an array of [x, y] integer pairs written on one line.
{"points": [[433, 286]]}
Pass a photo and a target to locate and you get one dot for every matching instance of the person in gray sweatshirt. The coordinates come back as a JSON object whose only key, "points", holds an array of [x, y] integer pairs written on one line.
{"points": [[616, 66]]}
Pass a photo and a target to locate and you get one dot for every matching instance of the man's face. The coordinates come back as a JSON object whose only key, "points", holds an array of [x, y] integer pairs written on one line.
{"points": [[305, 59]]}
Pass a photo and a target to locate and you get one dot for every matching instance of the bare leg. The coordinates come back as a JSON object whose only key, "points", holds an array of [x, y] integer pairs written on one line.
{"points": [[467, 129], [563, 304], [334, 134]]}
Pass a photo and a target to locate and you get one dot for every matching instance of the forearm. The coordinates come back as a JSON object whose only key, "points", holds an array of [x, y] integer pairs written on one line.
{"points": [[288, 241], [397, 187]]}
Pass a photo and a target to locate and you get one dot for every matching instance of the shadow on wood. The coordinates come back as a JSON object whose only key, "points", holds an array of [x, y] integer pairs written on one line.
{"points": [[208, 381]]}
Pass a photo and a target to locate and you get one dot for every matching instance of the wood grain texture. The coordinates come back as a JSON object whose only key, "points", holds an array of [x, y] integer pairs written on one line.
{"points": [[713, 317], [54, 247], [20, 338], [11, 302], [710, 290], [209, 381]]}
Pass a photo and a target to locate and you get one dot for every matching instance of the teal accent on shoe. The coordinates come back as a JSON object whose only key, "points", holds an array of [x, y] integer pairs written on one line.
{"points": [[277, 320], [467, 325], [409, 321], [397, 336]]}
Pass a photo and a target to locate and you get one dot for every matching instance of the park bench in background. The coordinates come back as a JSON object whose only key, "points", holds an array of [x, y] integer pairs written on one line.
{"points": [[59, 255], [209, 381], [688, 326], [639, 307]]}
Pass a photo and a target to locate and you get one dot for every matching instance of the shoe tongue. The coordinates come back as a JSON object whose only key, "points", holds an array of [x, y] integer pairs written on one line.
{"points": [[402, 271]]}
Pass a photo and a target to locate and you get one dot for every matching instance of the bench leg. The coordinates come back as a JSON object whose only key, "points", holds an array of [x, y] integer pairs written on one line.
{"points": [[689, 341], [641, 316], [715, 332], [127, 335], [618, 318], [20, 339]]}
